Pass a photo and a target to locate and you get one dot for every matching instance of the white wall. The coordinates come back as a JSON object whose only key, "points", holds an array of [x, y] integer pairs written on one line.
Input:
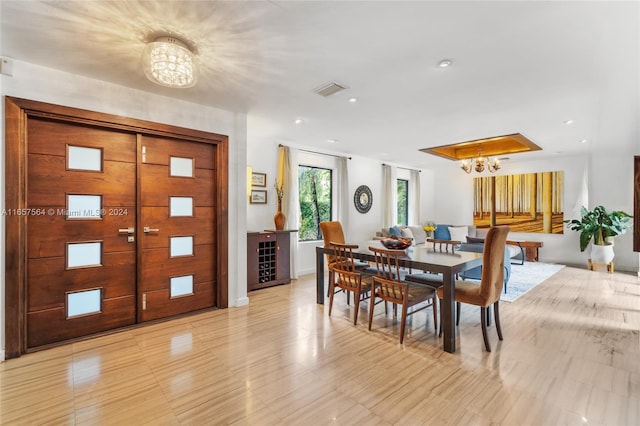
{"points": [[44, 84], [365, 171], [262, 157]]}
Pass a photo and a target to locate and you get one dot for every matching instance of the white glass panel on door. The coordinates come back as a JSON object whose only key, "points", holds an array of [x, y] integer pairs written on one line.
{"points": [[84, 302], [84, 206], [181, 246], [181, 206], [181, 167], [81, 158], [181, 286], [84, 254]]}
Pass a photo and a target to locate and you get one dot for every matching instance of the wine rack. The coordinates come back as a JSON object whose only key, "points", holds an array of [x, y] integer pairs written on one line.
{"points": [[268, 262]]}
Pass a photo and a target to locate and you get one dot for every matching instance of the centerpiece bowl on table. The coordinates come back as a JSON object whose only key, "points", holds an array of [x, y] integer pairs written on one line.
{"points": [[397, 243]]}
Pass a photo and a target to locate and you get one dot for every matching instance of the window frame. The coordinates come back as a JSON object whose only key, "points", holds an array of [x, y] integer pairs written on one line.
{"points": [[332, 207], [405, 183]]}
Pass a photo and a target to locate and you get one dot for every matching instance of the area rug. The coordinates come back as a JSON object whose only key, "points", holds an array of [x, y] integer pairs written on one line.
{"points": [[525, 277]]}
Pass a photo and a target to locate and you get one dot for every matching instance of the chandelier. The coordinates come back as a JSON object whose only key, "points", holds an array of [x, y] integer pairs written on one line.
{"points": [[468, 165], [169, 62]]}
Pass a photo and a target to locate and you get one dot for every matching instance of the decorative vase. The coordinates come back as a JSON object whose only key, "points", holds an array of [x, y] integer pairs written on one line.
{"points": [[601, 254], [279, 218]]}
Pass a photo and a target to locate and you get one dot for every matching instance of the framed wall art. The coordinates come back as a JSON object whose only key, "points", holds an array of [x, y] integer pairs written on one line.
{"points": [[363, 199], [530, 202], [258, 179], [258, 196]]}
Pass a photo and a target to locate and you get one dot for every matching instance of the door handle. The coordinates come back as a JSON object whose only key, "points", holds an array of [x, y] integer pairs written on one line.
{"points": [[147, 229], [130, 230]]}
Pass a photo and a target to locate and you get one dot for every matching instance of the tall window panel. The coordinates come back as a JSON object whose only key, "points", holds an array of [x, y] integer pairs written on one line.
{"points": [[316, 201], [403, 201]]}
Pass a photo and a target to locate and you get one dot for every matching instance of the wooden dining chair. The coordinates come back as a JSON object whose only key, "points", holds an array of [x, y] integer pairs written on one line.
{"points": [[491, 282], [389, 287], [346, 277], [332, 233]]}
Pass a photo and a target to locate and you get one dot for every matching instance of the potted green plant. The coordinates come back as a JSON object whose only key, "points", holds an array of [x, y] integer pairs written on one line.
{"points": [[600, 226]]}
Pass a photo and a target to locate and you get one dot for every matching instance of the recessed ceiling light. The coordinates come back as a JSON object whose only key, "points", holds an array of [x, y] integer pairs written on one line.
{"points": [[353, 100], [445, 63], [331, 141], [583, 141], [568, 122], [298, 120]]}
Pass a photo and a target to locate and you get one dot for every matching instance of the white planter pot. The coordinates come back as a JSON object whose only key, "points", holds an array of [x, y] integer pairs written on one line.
{"points": [[602, 254]]}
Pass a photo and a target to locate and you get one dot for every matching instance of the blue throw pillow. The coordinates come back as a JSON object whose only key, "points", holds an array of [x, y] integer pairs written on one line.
{"points": [[395, 231], [442, 232]]}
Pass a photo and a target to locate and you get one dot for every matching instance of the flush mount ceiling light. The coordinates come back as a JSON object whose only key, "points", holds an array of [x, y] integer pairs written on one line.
{"points": [[445, 63], [169, 62]]}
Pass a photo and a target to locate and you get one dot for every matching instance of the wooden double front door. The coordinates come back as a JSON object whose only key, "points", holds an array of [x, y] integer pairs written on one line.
{"points": [[120, 228]]}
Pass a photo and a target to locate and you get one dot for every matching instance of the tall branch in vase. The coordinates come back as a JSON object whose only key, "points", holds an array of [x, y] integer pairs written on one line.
{"points": [[282, 185], [279, 218]]}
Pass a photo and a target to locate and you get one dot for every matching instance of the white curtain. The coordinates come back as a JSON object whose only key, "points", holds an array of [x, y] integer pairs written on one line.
{"points": [[389, 196], [343, 192], [288, 157], [414, 198]]}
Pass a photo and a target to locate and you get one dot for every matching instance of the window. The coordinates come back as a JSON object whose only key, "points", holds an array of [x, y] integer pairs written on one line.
{"points": [[315, 189], [403, 202]]}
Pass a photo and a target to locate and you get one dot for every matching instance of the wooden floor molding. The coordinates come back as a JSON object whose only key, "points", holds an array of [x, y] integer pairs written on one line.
{"points": [[571, 355]]}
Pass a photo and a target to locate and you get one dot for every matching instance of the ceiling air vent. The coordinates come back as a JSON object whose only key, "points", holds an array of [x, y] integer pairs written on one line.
{"points": [[329, 89]]}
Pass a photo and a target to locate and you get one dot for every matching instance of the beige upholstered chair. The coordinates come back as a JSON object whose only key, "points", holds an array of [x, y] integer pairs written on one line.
{"points": [[345, 277], [389, 287], [491, 282]]}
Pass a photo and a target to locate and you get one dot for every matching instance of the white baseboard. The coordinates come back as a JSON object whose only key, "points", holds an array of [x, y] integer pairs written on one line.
{"points": [[1, 355], [243, 301], [307, 271]]}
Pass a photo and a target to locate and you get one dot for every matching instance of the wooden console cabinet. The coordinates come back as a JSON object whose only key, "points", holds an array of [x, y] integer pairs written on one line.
{"points": [[268, 258]]}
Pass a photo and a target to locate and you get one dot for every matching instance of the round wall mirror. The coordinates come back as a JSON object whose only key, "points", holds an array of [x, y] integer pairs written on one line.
{"points": [[363, 199]]}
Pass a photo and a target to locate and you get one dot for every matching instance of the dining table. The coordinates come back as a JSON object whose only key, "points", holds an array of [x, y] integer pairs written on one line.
{"points": [[417, 258]]}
